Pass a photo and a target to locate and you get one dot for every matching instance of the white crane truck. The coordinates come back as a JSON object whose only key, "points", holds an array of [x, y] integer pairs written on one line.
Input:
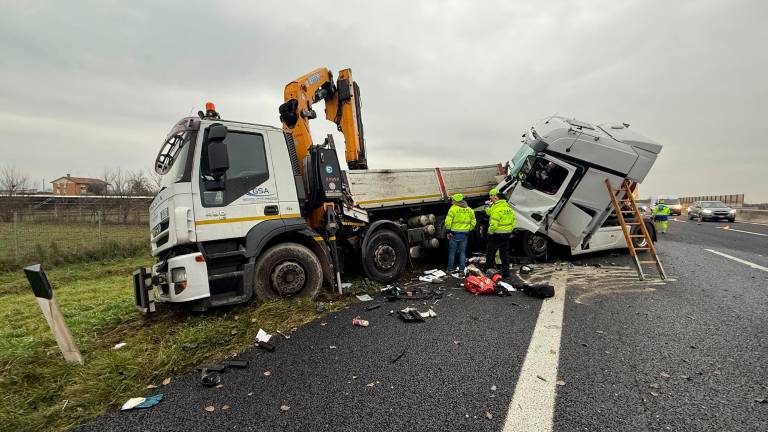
{"points": [[250, 210]]}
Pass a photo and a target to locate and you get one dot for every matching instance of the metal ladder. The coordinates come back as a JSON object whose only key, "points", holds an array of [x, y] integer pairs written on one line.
{"points": [[624, 195]]}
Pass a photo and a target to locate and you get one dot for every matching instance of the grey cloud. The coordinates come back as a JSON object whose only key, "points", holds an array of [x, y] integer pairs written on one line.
{"points": [[86, 86]]}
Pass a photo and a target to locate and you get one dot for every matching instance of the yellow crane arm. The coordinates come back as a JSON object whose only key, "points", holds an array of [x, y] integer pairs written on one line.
{"points": [[342, 106]]}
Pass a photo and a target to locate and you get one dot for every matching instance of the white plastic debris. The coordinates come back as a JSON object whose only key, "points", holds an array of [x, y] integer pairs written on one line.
{"points": [[263, 336], [345, 285], [132, 403], [118, 346], [435, 273], [364, 297], [506, 286]]}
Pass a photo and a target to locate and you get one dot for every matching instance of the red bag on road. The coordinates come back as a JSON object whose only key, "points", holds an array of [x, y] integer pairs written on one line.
{"points": [[479, 285]]}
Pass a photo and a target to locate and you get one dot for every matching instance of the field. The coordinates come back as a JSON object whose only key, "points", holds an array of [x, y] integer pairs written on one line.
{"points": [[58, 243], [39, 391]]}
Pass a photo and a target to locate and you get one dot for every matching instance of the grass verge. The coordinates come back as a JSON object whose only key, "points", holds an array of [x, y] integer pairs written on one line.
{"points": [[39, 391]]}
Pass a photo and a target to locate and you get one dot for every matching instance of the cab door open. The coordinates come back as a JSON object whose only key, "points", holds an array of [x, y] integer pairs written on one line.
{"points": [[536, 193]]}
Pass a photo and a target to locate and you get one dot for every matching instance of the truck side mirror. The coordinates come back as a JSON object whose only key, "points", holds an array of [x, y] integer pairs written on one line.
{"points": [[218, 157]]}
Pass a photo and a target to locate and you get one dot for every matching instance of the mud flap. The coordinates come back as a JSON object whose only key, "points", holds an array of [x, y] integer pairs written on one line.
{"points": [[142, 284]]}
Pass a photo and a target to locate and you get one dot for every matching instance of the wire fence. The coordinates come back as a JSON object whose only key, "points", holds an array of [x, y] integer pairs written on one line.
{"points": [[54, 237]]}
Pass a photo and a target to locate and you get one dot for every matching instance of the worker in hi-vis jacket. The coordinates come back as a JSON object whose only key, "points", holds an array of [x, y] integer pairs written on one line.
{"points": [[500, 226], [459, 222], [661, 216]]}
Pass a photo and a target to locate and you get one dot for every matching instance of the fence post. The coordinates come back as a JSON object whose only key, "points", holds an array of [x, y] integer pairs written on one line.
{"points": [[16, 235], [98, 218]]}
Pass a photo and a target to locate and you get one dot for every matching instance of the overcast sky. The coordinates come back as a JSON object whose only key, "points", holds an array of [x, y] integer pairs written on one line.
{"points": [[88, 86]]}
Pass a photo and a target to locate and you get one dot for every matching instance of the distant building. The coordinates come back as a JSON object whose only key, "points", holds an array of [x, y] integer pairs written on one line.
{"points": [[70, 186]]}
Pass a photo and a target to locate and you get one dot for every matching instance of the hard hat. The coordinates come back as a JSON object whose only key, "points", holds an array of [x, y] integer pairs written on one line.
{"points": [[661, 201], [457, 197], [493, 191]]}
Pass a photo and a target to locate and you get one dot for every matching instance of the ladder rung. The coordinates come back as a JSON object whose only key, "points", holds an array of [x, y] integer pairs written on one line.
{"points": [[637, 236], [642, 248], [631, 223], [627, 211], [647, 262]]}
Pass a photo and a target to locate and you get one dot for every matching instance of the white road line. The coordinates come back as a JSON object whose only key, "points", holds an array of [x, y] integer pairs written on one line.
{"points": [[533, 404], [751, 264], [738, 230]]}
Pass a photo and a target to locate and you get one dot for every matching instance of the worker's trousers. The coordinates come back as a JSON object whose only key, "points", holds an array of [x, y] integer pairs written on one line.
{"points": [[458, 244], [498, 242], [661, 226]]}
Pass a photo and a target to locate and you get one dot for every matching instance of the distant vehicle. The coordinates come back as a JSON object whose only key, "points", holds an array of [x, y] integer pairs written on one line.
{"points": [[711, 210], [671, 201]]}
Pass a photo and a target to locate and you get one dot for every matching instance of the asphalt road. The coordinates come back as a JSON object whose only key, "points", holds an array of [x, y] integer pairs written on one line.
{"points": [[687, 354]]}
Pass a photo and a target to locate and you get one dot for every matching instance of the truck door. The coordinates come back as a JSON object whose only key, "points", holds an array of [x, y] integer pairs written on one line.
{"points": [[245, 195], [535, 195]]}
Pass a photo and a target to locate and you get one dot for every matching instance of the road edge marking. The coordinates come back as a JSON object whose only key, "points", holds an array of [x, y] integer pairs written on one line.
{"points": [[743, 261], [741, 231], [533, 405]]}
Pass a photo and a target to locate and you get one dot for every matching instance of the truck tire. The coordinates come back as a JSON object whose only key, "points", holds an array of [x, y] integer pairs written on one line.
{"points": [[536, 246], [639, 242], [288, 270], [385, 256]]}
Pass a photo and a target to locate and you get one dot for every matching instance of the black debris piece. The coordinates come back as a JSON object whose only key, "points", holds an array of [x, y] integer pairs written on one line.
{"points": [[399, 356], [266, 345], [213, 368], [210, 379], [239, 364], [372, 307]]}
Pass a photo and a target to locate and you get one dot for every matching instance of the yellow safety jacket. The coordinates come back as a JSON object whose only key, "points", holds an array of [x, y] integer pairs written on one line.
{"points": [[502, 218], [460, 219]]}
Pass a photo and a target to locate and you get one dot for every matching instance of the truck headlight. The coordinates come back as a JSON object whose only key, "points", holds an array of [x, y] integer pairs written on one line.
{"points": [[179, 279]]}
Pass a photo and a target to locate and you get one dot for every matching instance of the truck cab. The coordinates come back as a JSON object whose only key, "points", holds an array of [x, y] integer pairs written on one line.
{"points": [[227, 188], [555, 183]]}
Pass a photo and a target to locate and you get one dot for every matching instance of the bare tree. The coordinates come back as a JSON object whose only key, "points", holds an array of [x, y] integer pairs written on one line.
{"points": [[118, 182], [13, 180], [154, 181], [138, 184]]}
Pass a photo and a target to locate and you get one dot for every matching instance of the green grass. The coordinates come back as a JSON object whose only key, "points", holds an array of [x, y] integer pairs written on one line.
{"points": [[56, 244], [97, 303]]}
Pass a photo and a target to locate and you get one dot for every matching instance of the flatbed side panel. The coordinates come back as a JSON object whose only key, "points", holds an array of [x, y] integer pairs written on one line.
{"points": [[373, 189], [471, 181]]}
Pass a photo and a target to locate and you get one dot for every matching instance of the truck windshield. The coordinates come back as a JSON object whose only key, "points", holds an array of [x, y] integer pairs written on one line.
{"points": [[517, 162], [171, 161]]}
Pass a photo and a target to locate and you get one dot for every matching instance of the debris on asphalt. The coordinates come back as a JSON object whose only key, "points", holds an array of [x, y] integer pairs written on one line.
{"points": [[560, 383], [284, 408], [761, 400], [493, 388], [488, 415], [224, 407], [220, 386], [210, 379], [210, 408], [239, 364], [664, 375], [428, 314], [166, 381], [399, 356], [267, 373], [372, 307], [283, 335], [479, 285], [654, 394], [118, 346], [262, 340], [213, 368], [364, 297], [541, 378], [141, 403], [151, 386], [654, 386], [526, 269], [542, 291], [410, 315], [332, 347], [472, 270], [357, 321]]}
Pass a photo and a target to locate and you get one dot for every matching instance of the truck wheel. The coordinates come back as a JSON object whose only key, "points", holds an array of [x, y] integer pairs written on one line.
{"points": [[385, 256], [288, 270], [639, 242], [536, 246]]}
